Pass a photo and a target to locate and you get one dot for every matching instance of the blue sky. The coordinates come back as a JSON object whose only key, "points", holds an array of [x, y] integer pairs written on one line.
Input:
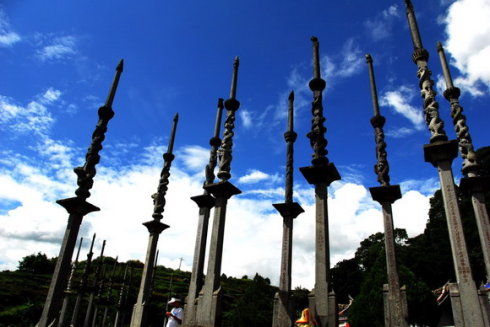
{"points": [[57, 61]]}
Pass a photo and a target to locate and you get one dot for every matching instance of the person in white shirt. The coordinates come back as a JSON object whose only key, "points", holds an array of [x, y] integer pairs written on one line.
{"points": [[175, 315]]}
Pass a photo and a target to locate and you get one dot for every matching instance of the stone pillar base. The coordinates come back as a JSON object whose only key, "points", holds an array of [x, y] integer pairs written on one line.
{"points": [[282, 314], [330, 319], [210, 316], [391, 319], [138, 318], [484, 297], [457, 307]]}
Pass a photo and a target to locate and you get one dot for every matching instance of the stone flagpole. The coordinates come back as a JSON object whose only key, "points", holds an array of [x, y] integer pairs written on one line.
{"points": [[92, 306], [155, 227], [395, 306], [440, 153], [68, 291], [205, 202], [78, 207], [283, 314], [121, 303], [82, 286], [108, 296], [472, 181], [209, 302], [321, 174]]}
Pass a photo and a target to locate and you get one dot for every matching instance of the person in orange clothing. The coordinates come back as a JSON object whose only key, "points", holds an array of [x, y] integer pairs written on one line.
{"points": [[306, 319]]}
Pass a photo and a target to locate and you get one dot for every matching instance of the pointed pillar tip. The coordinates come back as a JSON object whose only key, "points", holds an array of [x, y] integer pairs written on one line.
{"points": [[120, 65], [176, 117], [291, 95], [439, 46]]}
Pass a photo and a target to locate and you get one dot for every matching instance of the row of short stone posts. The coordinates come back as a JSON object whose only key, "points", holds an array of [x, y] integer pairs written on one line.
{"points": [[68, 291], [468, 308], [203, 304], [395, 302], [123, 297], [77, 208], [82, 287], [92, 305], [96, 291]]}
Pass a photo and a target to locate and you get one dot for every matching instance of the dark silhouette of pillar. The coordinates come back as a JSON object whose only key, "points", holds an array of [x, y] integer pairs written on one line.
{"points": [[155, 227], [320, 174], [209, 302], [83, 285], [77, 208], [68, 291], [395, 307], [92, 306], [205, 202], [107, 301], [121, 303], [283, 315], [440, 153], [472, 181]]}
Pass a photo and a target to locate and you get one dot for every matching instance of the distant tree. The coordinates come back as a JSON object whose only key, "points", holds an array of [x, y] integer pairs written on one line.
{"points": [[253, 307], [433, 249], [367, 309], [299, 298], [137, 264], [346, 279], [37, 263]]}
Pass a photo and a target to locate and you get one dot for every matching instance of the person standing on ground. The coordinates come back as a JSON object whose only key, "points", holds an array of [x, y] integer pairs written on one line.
{"points": [[175, 315]]}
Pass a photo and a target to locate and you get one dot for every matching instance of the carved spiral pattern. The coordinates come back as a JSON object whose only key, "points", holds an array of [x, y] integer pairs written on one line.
{"points": [[431, 107], [86, 173], [316, 135], [159, 197], [213, 157], [226, 147], [470, 165], [381, 168], [70, 279], [210, 168], [290, 137]]}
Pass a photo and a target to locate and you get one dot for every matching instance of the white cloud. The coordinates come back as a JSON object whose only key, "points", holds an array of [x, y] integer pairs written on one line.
{"points": [[468, 42], [426, 186], [246, 118], [7, 37], [60, 47], [345, 65], [399, 100], [400, 132], [34, 117], [194, 157], [254, 176], [379, 27], [124, 196], [51, 95]]}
